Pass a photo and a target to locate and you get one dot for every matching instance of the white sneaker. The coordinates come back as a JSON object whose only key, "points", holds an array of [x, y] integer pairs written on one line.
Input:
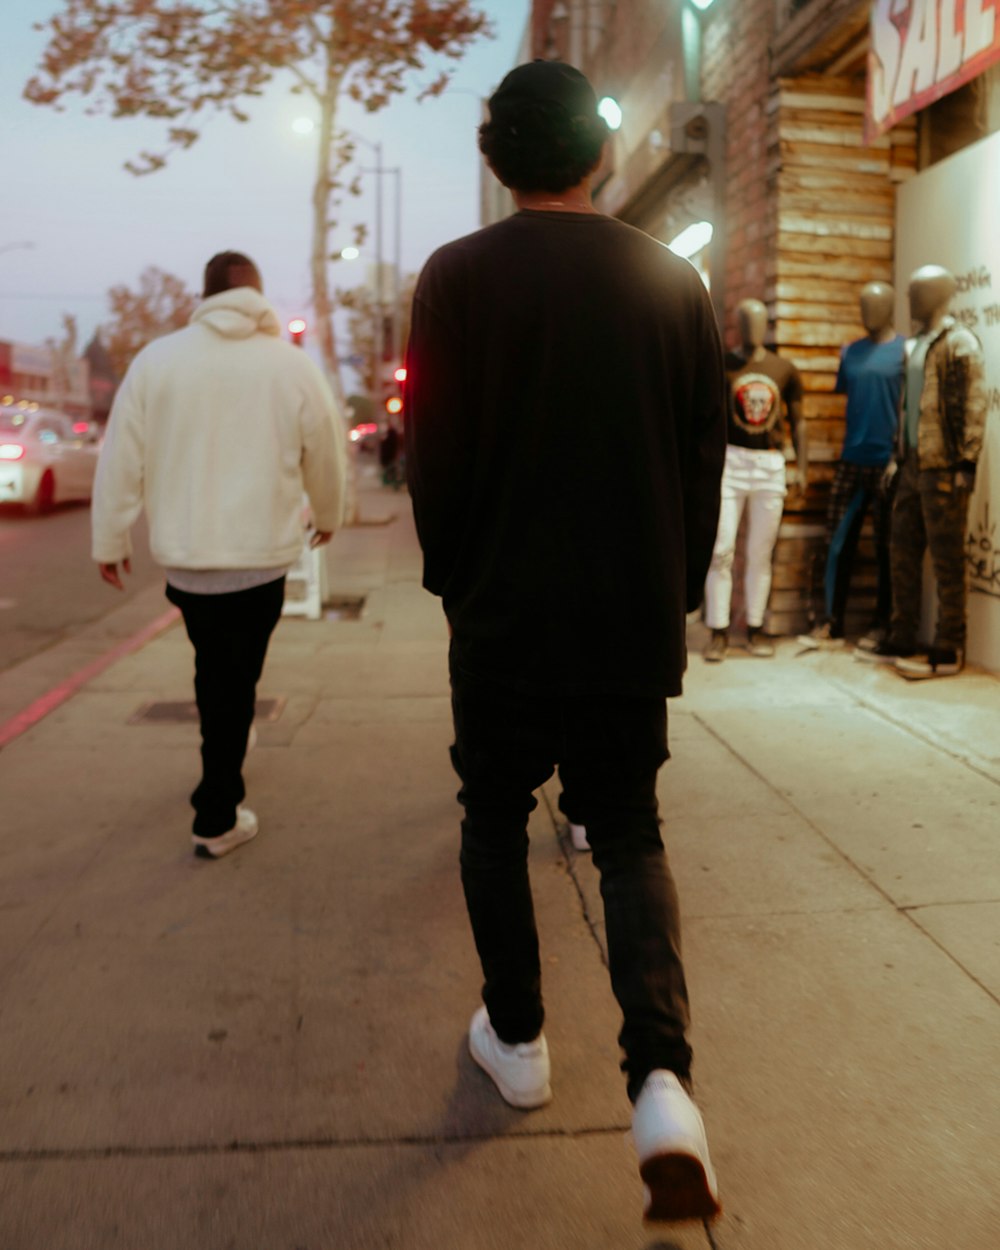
{"points": [[214, 848], [669, 1138], [578, 836], [520, 1072]]}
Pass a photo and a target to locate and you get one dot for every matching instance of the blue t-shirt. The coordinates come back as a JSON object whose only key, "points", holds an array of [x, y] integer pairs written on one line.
{"points": [[871, 376]]}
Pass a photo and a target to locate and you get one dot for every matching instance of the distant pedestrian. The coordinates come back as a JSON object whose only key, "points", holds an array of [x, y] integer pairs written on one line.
{"points": [[388, 456], [565, 442], [215, 432]]}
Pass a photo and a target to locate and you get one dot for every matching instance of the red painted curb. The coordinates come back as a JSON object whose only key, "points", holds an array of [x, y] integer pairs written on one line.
{"points": [[58, 695]]}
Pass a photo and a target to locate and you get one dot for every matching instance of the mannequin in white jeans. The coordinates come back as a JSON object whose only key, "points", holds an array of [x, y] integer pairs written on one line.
{"points": [[764, 388]]}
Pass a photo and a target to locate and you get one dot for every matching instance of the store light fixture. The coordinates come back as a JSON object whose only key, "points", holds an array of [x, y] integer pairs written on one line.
{"points": [[611, 111], [702, 5], [692, 239]]}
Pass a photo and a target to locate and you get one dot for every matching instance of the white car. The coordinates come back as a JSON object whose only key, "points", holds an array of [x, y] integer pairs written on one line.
{"points": [[45, 458]]}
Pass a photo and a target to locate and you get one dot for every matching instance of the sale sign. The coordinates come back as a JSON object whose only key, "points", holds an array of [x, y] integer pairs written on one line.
{"points": [[922, 49]]}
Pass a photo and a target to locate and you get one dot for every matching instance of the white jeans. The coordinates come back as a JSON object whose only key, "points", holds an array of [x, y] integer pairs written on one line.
{"points": [[756, 478]]}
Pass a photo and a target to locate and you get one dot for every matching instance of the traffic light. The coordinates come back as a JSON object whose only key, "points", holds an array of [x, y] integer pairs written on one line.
{"points": [[394, 405], [297, 331]]}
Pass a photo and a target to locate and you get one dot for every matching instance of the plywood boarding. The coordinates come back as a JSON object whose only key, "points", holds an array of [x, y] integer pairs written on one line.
{"points": [[834, 208]]}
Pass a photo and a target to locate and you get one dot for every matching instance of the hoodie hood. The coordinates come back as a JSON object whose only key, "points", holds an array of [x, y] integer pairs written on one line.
{"points": [[238, 313]]}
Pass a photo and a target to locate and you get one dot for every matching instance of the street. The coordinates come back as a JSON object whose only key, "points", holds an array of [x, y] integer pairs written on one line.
{"points": [[49, 586]]}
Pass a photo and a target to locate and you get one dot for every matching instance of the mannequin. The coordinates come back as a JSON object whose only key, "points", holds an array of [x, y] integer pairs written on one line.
{"points": [[940, 438], [871, 376], [763, 388]]}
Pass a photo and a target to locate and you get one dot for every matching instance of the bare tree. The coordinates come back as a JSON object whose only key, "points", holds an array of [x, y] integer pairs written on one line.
{"points": [[178, 60], [162, 303]]}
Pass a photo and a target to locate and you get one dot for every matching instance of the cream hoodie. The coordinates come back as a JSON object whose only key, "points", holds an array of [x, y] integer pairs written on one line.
{"points": [[216, 431]]}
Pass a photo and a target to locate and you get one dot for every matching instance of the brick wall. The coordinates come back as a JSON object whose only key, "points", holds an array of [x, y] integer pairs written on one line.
{"points": [[736, 71]]}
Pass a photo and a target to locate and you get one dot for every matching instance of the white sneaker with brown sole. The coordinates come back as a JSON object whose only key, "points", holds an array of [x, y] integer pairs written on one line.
{"points": [[246, 827], [520, 1071], [669, 1137]]}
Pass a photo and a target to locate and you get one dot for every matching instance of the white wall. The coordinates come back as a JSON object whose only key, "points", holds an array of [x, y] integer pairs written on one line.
{"points": [[947, 215]]}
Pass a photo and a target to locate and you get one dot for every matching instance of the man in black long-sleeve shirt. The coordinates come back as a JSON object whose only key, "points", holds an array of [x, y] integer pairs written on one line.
{"points": [[565, 440]]}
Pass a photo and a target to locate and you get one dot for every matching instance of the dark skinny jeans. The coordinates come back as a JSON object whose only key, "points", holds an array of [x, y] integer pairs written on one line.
{"points": [[608, 751], [230, 634]]}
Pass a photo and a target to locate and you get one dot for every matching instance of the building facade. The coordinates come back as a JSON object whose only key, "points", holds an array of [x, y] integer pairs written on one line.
{"points": [[46, 377], [814, 137]]}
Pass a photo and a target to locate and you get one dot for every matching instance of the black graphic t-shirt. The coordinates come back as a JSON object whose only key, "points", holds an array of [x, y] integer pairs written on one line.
{"points": [[762, 392]]}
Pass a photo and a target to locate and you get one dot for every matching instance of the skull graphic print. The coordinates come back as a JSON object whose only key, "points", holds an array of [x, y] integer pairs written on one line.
{"points": [[757, 403]]}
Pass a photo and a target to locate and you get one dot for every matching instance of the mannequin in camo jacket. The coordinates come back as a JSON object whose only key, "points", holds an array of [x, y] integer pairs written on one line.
{"points": [[940, 438]]}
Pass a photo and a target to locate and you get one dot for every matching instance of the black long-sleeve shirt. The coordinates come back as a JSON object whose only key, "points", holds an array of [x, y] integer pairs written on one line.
{"points": [[566, 430]]}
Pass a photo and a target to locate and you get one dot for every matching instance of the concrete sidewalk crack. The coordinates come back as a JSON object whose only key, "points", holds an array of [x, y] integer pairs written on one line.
{"points": [[593, 925]]}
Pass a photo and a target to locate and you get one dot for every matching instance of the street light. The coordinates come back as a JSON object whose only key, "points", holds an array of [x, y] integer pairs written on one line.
{"points": [[378, 171]]}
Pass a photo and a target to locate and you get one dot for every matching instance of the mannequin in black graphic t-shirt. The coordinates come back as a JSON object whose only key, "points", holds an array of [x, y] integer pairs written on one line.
{"points": [[764, 389]]}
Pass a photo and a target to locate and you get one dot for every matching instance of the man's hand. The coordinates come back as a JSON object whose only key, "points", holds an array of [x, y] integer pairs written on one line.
{"points": [[109, 573], [888, 476], [319, 538]]}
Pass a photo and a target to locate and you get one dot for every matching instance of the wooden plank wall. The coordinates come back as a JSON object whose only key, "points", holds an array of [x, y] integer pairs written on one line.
{"points": [[833, 218]]}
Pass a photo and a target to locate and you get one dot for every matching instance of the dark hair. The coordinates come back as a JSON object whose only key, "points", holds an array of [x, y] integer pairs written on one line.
{"points": [[229, 269], [537, 145]]}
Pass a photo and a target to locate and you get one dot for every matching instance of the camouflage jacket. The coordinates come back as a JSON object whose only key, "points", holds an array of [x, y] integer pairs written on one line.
{"points": [[953, 399]]}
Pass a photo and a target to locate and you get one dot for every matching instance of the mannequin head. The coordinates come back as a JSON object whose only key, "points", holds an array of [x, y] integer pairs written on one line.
{"points": [[751, 320], [931, 290], [877, 302]]}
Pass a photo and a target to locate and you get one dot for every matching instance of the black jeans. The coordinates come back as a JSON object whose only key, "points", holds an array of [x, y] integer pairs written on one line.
{"points": [[609, 751], [230, 634]]}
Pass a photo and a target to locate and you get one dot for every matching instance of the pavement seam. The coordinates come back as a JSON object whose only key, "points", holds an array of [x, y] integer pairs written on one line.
{"points": [[927, 739], [903, 910], [282, 1145]]}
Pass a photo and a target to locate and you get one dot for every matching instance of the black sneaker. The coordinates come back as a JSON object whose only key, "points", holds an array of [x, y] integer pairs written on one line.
{"points": [[936, 662], [885, 652]]}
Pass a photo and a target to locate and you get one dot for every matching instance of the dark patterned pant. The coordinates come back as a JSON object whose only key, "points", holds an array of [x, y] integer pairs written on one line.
{"points": [[930, 511], [855, 489]]}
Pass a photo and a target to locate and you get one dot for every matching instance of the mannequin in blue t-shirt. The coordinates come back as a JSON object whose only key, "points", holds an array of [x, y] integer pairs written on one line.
{"points": [[871, 376]]}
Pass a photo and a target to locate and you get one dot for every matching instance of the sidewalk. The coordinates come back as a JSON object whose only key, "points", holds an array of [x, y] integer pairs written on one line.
{"points": [[268, 1053]]}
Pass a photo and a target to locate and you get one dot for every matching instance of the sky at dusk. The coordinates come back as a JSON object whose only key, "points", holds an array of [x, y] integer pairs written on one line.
{"points": [[93, 225]]}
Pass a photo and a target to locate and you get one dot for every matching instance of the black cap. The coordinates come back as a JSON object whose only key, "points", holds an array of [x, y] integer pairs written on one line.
{"points": [[547, 81]]}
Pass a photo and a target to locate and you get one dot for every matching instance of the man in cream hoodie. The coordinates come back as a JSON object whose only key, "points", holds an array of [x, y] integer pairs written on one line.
{"points": [[215, 432]]}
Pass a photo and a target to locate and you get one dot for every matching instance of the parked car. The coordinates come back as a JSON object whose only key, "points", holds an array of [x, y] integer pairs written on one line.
{"points": [[45, 458]]}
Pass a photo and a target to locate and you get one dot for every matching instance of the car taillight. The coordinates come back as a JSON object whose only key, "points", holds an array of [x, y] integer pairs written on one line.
{"points": [[11, 451]]}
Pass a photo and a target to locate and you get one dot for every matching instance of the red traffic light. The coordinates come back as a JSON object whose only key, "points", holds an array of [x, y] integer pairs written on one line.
{"points": [[297, 329], [400, 374], [394, 405]]}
